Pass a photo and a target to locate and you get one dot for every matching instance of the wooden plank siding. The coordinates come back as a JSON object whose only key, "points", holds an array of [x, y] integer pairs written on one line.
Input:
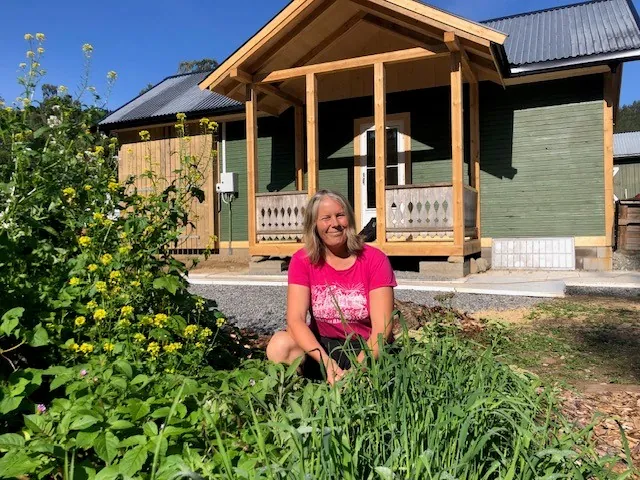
{"points": [[627, 181]]}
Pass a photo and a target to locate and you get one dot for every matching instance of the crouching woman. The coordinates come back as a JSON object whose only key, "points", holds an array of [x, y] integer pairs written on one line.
{"points": [[346, 286]]}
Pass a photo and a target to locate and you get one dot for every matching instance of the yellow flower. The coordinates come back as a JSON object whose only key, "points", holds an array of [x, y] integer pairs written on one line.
{"points": [[153, 349], [160, 319], [100, 314], [179, 126], [147, 320], [40, 50], [92, 268], [181, 116], [80, 321], [213, 126], [204, 121], [87, 48], [62, 89], [108, 222], [84, 241], [199, 304], [106, 259], [31, 54], [28, 36], [221, 321], [40, 36], [98, 217], [69, 192], [92, 305], [190, 330], [101, 287], [22, 65], [145, 135], [74, 281], [111, 75], [113, 186], [86, 348], [123, 235], [206, 333], [87, 188], [124, 250], [127, 310], [139, 338], [115, 275], [135, 283], [199, 345], [173, 347], [74, 347], [124, 323], [108, 347]]}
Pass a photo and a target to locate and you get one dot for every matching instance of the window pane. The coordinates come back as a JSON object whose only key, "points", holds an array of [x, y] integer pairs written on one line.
{"points": [[392, 146], [371, 188], [392, 175], [371, 149]]}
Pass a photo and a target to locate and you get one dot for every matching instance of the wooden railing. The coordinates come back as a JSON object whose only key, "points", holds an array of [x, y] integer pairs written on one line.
{"points": [[425, 212], [279, 216]]}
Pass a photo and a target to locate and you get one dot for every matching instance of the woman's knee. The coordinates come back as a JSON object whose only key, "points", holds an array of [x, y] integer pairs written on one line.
{"points": [[282, 348]]}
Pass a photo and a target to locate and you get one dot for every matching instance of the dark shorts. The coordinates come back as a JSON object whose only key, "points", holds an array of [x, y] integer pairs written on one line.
{"points": [[340, 350]]}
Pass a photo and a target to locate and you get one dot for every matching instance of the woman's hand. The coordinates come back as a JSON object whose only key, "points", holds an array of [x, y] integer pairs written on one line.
{"points": [[334, 372]]}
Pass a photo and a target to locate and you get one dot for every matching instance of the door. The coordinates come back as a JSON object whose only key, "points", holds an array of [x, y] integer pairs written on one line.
{"points": [[395, 174]]}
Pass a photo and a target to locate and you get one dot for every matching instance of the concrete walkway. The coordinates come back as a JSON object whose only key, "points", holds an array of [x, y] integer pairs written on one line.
{"points": [[494, 282]]}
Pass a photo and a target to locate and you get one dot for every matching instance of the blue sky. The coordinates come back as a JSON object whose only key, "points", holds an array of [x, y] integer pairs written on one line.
{"points": [[144, 41]]}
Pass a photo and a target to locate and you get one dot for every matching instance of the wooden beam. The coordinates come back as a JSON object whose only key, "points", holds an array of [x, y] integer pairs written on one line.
{"points": [[251, 106], [453, 44], [380, 116], [421, 249], [244, 77], [490, 73], [609, 207], [241, 76], [457, 149], [299, 147], [313, 150], [474, 134], [330, 40], [548, 76], [350, 64], [404, 33]]}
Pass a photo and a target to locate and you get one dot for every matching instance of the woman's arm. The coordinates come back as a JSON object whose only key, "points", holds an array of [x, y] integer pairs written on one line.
{"points": [[298, 302], [381, 312]]}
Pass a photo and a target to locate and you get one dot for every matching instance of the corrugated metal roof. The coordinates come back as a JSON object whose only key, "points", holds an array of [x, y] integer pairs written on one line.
{"points": [[572, 31], [176, 94], [626, 145]]}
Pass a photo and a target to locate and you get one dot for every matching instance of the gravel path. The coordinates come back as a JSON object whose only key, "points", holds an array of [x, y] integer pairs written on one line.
{"points": [[263, 308]]}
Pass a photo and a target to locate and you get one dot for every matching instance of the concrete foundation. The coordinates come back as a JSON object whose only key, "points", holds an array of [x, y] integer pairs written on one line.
{"points": [[446, 270], [262, 266], [598, 259]]}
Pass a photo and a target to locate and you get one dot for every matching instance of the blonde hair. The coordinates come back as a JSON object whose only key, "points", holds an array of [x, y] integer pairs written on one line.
{"points": [[312, 241]]}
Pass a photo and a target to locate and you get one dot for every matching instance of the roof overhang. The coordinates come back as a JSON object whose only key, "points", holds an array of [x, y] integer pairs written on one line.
{"points": [[578, 62], [300, 34]]}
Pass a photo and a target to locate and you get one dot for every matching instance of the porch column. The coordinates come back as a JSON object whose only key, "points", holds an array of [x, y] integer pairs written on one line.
{"points": [[380, 114], [474, 104], [251, 106], [457, 151], [299, 147], [313, 152]]}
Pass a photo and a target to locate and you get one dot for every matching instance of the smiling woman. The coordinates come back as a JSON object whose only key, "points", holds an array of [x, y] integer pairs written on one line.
{"points": [[346, 285]]}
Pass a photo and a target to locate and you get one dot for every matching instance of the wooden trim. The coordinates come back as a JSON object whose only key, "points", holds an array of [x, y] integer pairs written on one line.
{"points": [[267, 249], [579, 242], [474, 144], [313, 150], [453, 44], [490, 73], [380, 110], [420, 249], [544, 77], [299, 146], [617, 91], [609, 206], [457, 148], [190, 122], [355, 63], [405, 128], [471, 247], [252, 159], [234, 244], [244, 77]]}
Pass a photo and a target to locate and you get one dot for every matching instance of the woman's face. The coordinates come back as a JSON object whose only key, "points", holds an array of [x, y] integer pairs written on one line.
{"points": [[332, 223]]}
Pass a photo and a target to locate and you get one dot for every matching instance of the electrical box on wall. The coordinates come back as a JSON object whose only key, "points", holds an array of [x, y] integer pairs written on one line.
{"points": [[228, 183]]}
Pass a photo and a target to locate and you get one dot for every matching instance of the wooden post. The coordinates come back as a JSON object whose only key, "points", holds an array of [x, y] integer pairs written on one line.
{"points": [[609, 207], [252, 159], [474, 106], [457, 151], [380, 114], [299, 147], [313, 152]]}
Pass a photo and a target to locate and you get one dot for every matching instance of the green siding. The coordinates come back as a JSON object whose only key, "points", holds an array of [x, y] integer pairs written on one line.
{"points": [[542, 154], [627, 181]]}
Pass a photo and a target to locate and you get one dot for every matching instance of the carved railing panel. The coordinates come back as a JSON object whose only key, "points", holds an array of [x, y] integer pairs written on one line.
{"points": [[279, 216], [419, 212]]}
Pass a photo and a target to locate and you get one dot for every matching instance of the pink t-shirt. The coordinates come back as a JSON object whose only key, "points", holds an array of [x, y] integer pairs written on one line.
{"points": [[347, 289]]}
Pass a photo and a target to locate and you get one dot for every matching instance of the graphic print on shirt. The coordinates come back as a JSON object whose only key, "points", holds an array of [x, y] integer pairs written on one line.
{"points": [[352, 302]]}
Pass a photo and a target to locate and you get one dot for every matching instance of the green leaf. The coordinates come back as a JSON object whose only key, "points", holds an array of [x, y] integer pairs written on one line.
{"points": [[82, 422], [140, 379], [36, 423], [123, 367], [161, 412], [385, 472], [168, 282], [38, 133], [150, 429], [15, 464], [85, 439], [133, 461], [109, 473], [9, 404], [10, 320], [106, 446], [121, 425], [138, 409], [133, 441], [40, 337], [9, 440]]}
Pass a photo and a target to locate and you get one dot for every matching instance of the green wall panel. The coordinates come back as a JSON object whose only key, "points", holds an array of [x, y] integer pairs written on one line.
{"points": [[627, 181]]}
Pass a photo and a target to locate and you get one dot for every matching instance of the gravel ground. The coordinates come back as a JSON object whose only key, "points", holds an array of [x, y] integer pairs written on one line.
{"points": [[633, 293], [263, 308]]}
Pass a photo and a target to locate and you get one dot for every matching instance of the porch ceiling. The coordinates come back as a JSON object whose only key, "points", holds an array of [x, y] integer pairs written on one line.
{"points": [[310, 32]]}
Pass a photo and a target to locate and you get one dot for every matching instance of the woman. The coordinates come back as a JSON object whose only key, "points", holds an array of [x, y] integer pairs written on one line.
{"points": [[345, 284]]}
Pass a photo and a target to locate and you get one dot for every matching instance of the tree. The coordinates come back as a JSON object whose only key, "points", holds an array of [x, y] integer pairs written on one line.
{"points": [[147, 87], [194, 66], [628, 118], [49, 91]]}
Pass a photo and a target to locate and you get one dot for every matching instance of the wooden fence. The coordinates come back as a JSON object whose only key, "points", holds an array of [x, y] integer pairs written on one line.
{"points": [[629, 226]]}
